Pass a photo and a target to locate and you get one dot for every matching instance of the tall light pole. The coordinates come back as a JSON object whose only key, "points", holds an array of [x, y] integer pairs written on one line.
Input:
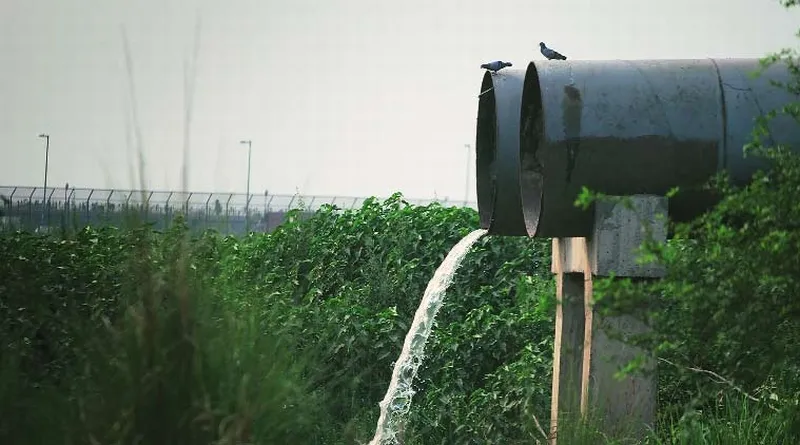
{"points": [[247, 205], [466, 187], [46, 162]]}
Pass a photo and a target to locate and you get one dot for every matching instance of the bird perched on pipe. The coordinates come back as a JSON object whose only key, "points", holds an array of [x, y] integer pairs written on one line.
{"points": [[495, 66], [551, 54]]}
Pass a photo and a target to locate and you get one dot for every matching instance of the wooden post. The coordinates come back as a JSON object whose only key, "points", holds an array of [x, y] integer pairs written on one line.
{"points": [[585, 358]]}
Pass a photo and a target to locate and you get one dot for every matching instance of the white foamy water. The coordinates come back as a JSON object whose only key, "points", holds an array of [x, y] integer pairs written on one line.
{"points": [[396, 403]]}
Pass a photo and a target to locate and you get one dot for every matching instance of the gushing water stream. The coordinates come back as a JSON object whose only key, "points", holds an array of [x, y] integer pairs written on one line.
{"points": [[396, 403]]}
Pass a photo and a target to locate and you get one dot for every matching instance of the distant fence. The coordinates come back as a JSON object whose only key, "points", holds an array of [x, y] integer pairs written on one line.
{"points": [[30, 208]]}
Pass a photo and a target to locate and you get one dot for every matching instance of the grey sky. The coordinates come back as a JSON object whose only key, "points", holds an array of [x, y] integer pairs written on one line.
{"points": [[356, 97]]}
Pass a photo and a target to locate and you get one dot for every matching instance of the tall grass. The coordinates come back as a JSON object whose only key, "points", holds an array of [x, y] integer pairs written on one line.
{"points": [[142, 341], [180, 367], [168, 360], [734, 420]]}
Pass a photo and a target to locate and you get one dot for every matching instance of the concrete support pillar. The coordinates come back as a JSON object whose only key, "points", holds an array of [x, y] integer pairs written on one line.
{"points": [[585, 358]]}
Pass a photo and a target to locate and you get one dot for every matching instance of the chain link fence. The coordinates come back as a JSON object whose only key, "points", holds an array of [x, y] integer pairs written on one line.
{"points": [[34, 208]]}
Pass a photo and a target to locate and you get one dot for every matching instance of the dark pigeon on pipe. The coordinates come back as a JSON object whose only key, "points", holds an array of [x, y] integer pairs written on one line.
{"points": [[551, 54], [495, 66]]}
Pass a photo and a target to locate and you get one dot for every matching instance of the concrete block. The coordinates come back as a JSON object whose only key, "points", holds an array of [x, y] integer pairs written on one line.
{"points": [[618, 232], [627, 407]]}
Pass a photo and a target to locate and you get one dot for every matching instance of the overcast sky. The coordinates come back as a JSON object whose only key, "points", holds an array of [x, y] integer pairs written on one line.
{"points": [[340, 97]]}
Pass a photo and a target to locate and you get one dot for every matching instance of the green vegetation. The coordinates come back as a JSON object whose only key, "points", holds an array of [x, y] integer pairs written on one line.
{"points": [[119, 335], [136, 335]]}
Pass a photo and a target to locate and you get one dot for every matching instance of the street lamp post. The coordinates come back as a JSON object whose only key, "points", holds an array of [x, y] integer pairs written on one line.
{"points": [[46, 162], [247, 205]]}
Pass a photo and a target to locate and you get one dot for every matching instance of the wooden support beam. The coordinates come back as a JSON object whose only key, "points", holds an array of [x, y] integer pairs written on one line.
{"points": [[587, 367]]}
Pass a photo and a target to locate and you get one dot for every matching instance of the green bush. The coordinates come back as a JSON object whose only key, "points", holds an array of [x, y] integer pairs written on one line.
{"points": [[111, 339], [120, 336], [351, 282]]}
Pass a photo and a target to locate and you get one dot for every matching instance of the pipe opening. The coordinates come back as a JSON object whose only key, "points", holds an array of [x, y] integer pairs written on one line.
{"points": [[486, 152], [531, 137]]}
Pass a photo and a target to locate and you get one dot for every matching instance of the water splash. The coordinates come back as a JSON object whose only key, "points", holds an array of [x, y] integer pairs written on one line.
{"points": [[396, 403]]}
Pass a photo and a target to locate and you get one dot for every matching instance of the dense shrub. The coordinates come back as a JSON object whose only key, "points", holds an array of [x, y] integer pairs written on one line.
{"points": [[286, 337], [111, 338], [352, 280]]}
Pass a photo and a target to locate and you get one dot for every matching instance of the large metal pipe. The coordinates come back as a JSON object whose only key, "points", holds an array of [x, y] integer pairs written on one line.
{"points": [[618, 127], [497, 152]]}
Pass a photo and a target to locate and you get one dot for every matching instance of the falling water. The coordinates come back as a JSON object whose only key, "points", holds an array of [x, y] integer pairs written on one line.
{"points": [[396, 403]]}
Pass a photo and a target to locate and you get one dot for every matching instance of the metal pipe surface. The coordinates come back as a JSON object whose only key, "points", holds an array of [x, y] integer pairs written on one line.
{"points": [[618, 127], [497, 152]]}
